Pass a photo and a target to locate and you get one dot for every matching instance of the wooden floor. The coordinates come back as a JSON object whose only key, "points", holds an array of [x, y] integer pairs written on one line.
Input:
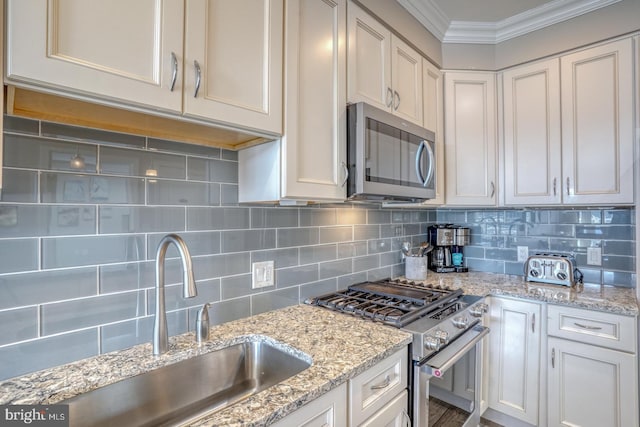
{"points": [[442, 414]]}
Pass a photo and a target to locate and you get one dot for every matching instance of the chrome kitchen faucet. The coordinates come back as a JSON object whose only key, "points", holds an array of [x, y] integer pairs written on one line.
{"points": [[160, 333]]}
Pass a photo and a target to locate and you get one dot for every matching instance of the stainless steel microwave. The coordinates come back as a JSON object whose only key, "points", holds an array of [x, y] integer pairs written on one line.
{"points": [[388, 157]]}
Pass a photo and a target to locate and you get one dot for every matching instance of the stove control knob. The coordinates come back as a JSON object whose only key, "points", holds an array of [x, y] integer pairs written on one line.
{"points": [[479, 309], [460, 322], [432, 343], [442, 336]]}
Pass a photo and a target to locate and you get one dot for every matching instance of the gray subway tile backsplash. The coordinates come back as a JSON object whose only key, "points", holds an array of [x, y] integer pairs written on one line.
{"points": [[77, 245]]}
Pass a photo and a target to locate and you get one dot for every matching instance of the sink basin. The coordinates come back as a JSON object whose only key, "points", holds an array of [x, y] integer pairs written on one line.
{"points": [[186, 390]]}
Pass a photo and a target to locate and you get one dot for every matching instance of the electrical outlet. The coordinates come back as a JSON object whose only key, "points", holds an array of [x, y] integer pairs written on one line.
{"points": [[262, 274], [594, 256], [523, 253]]}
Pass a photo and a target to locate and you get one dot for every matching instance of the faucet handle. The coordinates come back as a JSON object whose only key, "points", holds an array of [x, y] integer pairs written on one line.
{"points": [[202, 324]]}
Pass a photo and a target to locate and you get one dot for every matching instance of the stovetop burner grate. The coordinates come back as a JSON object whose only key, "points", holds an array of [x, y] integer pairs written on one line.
{"points": [[394, 302]]}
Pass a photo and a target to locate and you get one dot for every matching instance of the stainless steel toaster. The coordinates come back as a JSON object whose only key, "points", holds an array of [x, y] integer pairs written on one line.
{"points": [[555, 269]]}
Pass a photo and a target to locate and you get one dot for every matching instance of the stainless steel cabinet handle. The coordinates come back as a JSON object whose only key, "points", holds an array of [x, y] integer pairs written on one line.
{"points": [[568, 186], [198, 78], [554, 186], [383, 384], [389, 102], [346, 174], [493, 189], [533, 323], [592, 328], [406, 419], [396, 96], [174, 71], [553, 358]]}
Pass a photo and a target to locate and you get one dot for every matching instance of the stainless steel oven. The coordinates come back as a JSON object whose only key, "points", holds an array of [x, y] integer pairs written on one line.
{"points": [[446, 351], [448, 386]]}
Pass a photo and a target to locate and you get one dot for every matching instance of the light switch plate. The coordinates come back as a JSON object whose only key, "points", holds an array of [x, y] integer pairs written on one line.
{"points": [[594, 256], [523, 253], [262, 274]]}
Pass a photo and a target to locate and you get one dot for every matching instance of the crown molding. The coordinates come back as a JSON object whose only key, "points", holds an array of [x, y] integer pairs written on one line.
{"points": [[430, 15]]}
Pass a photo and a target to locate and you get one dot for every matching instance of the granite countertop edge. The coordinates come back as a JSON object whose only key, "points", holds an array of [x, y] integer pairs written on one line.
{"points": [[311, 333]]}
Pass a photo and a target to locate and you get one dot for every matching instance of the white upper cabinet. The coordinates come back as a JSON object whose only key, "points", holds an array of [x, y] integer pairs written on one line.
{"points": [[532, 141], [568, 128], [597, 124], [144, 54], [233, 61], [383, 70], [470, 138], [117, 49], [309, 162]]}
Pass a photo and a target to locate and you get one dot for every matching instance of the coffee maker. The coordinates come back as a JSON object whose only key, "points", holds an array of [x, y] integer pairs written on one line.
{"points": [[447, 241]]}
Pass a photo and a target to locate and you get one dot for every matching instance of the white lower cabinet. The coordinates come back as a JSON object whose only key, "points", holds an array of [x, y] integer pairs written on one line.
{"points": [[514, 358], [329, 410], [592, 383], [377, 397]]}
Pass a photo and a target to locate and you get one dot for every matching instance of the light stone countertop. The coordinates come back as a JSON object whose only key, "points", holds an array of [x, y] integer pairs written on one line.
{"points": [[309, 332]]}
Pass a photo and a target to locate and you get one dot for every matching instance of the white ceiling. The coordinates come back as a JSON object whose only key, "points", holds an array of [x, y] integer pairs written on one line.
{"points": [[494, 21]]}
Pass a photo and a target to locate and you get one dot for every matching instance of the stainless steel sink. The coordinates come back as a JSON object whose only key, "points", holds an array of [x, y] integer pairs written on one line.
{"points": [[186, 390]]}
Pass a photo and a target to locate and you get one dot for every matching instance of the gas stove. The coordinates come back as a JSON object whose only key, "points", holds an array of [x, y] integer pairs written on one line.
{"points": [[434, 315]]}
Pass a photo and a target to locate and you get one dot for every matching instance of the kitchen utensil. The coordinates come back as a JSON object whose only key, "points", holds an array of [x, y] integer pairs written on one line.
{"points": [[406, 248], [425, 248]]}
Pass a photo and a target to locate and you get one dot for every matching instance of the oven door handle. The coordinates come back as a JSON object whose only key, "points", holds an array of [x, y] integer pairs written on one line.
{"points": [[446, 358]]}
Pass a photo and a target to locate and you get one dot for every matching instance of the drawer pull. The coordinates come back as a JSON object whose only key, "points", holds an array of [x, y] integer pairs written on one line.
{"points": [[553, 358], [592, 328], [383, 384]]}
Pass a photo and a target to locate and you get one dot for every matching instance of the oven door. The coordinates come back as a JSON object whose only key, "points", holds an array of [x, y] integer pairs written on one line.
{"points": [[447, 386]]}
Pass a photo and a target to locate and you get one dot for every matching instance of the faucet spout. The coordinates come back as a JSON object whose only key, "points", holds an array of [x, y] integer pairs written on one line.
{"points": [[160, 332]]}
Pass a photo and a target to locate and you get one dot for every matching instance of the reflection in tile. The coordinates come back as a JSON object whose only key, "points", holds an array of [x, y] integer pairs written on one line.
{"points": [[345, 281], [268, 301], [21, 125], [19, 186], [182, 148], [228, 194], [237, 286], [117, 161], [335, 268], [618, 216], [336, 234], [221, 265], [575, 217], [163, 192], [366, 263], [137, 275], [248, 240], [140, 219], [208, 291], [44, 353], [316, 217], [378, 217], [212, 170], [616, 232], [198, 242], [18, 255], [226, 218], [40, 153], [317, 253], [379, 246], [17, 290], [274, 217], [79, 189], [366, 232], [619, 278], [317, 288], [281, 257], [119, 336], [57, 130], [44, 220], [389, 258], [353, 216], [93, 311], [351, 249], [60, 252], [296, 275], [288, 237], [18, 325]]}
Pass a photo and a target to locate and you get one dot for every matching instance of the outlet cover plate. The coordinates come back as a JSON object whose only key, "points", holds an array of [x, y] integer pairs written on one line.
{"points": [[594, 256], [262, 274], [523, 253]]}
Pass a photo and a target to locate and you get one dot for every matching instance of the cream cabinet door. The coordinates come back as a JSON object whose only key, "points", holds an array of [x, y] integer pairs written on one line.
{"points": [[591, 386], [233, 62], [514, 358], [470, 143], [433, 115], [116, 50], [532, 140], [314, 144], [597, 124], [406, 74], [329, 410], [369, 58]]}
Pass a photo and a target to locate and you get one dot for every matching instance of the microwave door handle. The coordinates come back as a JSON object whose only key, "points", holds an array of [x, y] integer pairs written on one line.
{"points": [[432, 162]]}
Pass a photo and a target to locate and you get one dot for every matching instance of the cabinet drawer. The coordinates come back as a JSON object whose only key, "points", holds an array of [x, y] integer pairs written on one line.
{"points": [[373, 389], [394, 414], [610, 330]]}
